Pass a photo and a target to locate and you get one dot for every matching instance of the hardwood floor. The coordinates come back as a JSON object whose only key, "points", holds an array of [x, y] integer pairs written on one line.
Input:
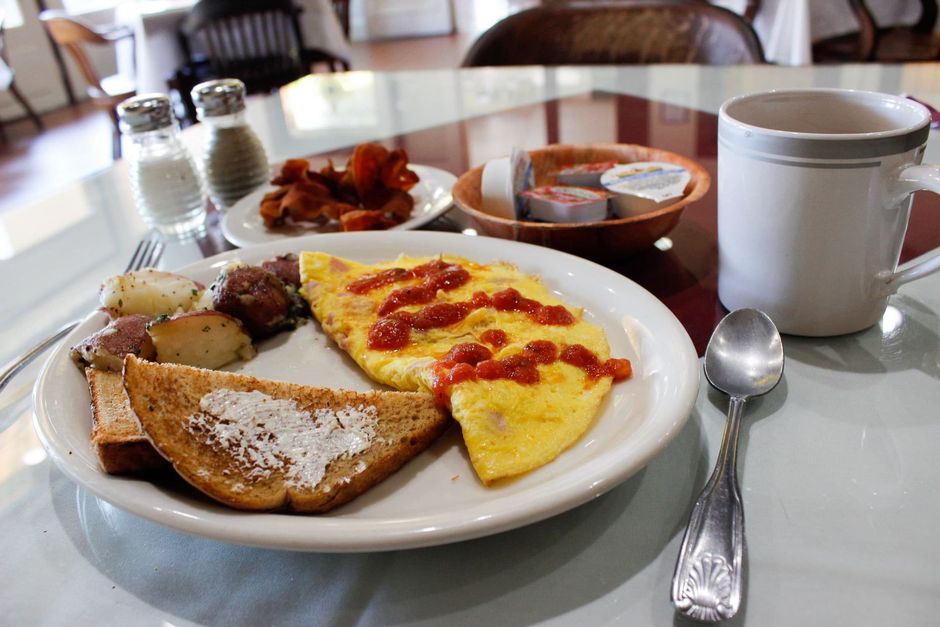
{"points": [[75, 143], [77, 140]]}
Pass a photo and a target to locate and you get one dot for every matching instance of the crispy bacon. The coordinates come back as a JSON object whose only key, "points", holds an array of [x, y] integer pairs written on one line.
{"points": [[366, 166], [292, 171], [371, 193], [395, 172], [365, 220]]}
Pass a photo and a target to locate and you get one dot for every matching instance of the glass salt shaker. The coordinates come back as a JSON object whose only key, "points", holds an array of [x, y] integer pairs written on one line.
{"points": [[166, 184], [233, 160]]}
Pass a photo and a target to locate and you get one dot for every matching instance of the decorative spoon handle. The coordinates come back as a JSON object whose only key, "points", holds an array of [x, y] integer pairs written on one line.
{"points": [[707, 582]]}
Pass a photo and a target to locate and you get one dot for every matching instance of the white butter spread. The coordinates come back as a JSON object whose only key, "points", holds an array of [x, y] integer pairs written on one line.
{"points": [[265, 434]]}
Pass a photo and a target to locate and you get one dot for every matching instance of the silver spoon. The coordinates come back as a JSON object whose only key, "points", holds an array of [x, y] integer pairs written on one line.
{"points": [[744, 358]]}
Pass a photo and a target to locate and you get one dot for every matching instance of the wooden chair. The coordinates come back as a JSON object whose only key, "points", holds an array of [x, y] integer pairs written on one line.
{"points": [[342, 12], [751, 7], [886, 45], [618, 33], [257, 41], [7, 76], [106, 93]]}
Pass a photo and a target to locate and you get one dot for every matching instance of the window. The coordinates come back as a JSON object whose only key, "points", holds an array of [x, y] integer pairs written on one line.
{"points": [[14, 15], [78, 7]]}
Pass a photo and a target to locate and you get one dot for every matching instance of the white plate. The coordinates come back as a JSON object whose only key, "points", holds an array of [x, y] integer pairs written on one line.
{"points": [[436, 498], [242, 224]]}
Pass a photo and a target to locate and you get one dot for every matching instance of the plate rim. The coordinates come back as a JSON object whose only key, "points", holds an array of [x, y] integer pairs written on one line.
{"points": [[444, 204], [335, 534]]}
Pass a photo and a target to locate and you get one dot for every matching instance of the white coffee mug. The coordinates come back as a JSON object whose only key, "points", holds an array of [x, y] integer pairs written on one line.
{"points": [[814, 192]]}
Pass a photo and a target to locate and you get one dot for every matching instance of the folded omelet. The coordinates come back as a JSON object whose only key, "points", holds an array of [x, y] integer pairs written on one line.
{"points": [[522, 373]]}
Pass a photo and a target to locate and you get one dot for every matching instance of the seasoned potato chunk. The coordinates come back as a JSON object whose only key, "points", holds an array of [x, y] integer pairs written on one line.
{"points": [[105, 349], [206, 339], [148, 292]]}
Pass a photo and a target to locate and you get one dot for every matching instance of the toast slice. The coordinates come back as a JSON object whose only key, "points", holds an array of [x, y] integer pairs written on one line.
{"points": [[257, 444], [120, 444]]}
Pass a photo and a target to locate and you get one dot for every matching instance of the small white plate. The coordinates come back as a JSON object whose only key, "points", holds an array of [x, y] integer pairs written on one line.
{"points": [[242, 224], [436, 498]]}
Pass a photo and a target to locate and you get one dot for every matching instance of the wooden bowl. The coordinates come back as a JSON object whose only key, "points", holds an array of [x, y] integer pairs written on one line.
{"points": [[606, 239]]}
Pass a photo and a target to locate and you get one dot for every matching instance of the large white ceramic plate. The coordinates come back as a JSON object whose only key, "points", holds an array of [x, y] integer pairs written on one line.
{"points": [[242, 224], [436, 498]]}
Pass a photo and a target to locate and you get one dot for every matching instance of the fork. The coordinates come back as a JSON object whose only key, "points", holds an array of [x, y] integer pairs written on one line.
{"points": [[148, 253]]}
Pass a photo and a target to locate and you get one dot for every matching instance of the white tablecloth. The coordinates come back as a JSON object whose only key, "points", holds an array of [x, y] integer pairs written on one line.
{"points": [[158, 52], [788, 28]]}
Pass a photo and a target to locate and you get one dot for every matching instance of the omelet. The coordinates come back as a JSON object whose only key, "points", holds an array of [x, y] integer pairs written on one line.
{"points": [[522, 372]]}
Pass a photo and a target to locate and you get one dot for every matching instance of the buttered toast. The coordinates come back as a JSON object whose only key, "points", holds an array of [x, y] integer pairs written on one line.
{"points": [[257, 444]]}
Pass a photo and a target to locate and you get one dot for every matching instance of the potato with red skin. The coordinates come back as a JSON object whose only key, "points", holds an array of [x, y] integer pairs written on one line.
{"points": [[256, 297], [105, 349], [205, 339]]}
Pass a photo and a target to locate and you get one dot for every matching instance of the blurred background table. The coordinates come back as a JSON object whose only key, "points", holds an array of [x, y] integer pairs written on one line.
{"points": [[838, 464], [788, 28]]}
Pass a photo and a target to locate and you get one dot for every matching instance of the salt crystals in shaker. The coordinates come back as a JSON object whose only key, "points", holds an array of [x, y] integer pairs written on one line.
{"points": [[233, 159], [166, 184]]}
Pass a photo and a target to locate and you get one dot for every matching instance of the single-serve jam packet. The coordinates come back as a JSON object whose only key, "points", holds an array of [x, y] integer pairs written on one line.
{"points": [[565, 203], [584, 174], [645, 186]]}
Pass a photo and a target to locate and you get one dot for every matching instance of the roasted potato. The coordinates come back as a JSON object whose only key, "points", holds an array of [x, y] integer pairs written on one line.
{"points": [[206, 339], [148, 292], [106, 348]]}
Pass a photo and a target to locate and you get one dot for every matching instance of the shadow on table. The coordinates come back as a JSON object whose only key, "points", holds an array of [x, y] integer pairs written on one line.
{"points": [[906, 339], [534, 573]]}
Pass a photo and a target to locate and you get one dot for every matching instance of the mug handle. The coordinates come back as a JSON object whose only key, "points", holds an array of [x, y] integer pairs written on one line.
{"points": [[913, 178]]}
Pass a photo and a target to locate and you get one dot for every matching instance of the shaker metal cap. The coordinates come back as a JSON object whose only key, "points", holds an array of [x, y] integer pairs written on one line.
{"points": [[219, 97], [147, 112]]}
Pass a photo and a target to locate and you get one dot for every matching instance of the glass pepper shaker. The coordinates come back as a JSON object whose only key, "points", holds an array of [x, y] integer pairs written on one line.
{"points": [[165, 181], [233, 159]]}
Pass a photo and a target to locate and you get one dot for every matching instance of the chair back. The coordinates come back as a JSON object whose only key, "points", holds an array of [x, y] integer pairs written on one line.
{"points": [[618, 33], [257, 41], [71, 33], [751, 9], [3, 48], [341, 7]]}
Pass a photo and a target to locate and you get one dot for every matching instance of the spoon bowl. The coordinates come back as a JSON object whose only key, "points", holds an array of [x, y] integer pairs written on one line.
{"points": [[744, 357]]}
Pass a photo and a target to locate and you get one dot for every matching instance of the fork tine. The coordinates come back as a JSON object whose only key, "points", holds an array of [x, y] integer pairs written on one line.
{"points": [[148, 252], [155, 254], [133, 262]]}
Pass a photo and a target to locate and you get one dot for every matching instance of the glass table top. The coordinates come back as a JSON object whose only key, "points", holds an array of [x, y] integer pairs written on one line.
{"points": [[837, 472]]}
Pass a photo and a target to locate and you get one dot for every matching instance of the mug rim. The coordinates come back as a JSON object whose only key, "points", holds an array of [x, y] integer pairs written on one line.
{"points": [[725, 117]]}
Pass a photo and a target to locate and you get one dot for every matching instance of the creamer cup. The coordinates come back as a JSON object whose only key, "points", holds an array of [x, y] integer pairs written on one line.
{"points": [[502, 181], [496, 189], [644, 186]]}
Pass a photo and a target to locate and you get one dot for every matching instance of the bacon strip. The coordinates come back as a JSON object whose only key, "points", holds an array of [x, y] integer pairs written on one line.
{"points": [[371, 193]]}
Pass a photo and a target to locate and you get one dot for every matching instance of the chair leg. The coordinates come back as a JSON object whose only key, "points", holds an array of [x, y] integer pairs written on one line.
{"points": [[115, 135], [29, 110]]}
